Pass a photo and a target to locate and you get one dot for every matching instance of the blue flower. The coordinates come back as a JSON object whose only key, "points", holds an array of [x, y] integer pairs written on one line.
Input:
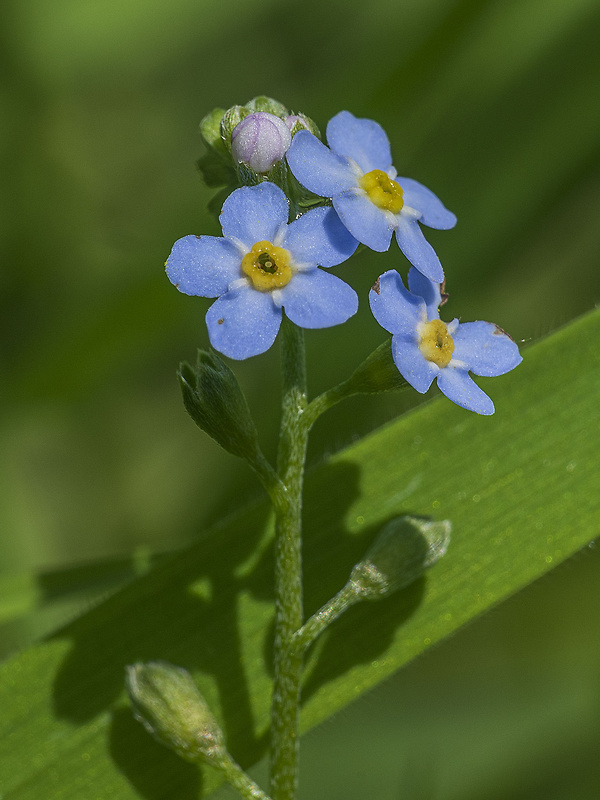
{"points": [[261, 265], [424, 347], [370, 198]]}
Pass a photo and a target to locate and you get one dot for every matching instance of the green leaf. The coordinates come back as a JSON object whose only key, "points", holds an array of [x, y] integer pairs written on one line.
{"points": [[23, 594], [520, 489], [34, 604]]}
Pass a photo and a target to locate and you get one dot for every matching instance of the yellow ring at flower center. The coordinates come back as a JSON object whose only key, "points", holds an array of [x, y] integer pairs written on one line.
{"points": [[267, 266], [382, 191], [436, 343]]}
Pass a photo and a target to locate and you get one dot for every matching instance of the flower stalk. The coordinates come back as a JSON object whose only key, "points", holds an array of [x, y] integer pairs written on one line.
{"points": [[288, 568]]}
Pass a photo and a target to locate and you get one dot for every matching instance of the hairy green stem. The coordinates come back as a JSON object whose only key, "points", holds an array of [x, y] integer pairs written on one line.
{"points": [[239, 780], [271, 481], [323, 403], [323, 618], [377, 373], [288, 567]]}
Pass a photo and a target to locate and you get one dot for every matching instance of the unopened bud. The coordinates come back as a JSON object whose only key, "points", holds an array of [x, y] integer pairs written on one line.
{"points": [[260, 140], [168, 704], [214, 400], [400, 554]]}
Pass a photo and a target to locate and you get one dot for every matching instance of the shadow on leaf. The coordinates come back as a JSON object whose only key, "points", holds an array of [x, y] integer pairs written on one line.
{"points": [[187, 612], [154, 771]]}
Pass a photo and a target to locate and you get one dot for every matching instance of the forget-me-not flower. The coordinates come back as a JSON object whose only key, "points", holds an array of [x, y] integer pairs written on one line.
{"points": [[356, 172], [424, 347], [262, 264]]}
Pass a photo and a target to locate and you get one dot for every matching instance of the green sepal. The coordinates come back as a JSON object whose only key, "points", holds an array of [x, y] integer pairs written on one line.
{"points": [[263, 103], [214, 400], [232, 117], [247, 176], [279, 174], [306, 124], [401, 552], [377, 373], [166, 701], [215, 165], [301, 197], [210, 130]]}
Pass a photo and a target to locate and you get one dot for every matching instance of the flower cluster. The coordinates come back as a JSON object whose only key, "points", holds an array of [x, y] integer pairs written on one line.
{"points": [[304, 207]]}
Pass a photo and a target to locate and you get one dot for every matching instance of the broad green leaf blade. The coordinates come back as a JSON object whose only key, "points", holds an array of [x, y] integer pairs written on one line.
{"points": [[23, 594], [521, 489], [34, 604]]}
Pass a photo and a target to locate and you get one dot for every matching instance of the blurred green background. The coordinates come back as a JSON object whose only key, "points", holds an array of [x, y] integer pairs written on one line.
{"points": [[495, 106]]}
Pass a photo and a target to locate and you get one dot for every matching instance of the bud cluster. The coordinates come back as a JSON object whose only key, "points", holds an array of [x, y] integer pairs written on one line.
{"points": [[247, 143]]}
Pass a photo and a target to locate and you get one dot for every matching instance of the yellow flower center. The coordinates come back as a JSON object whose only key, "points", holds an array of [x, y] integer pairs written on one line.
{"points": [[383, 191], [267, 266], [436, 343]]}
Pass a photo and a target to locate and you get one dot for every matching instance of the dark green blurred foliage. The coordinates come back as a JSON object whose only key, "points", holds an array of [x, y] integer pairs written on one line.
{"points": [[492, 104]]}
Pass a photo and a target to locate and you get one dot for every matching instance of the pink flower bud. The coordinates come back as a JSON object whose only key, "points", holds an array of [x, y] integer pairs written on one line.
{"points": [[260, 140]]}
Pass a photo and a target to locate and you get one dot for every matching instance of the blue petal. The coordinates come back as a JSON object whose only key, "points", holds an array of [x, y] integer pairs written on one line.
{"points": [[317, 168], [485, 349], [203, 265], [319, 237], [458, 386], [417, 249], [427, 289], [416, 369], [254, 213], [433, 211], [317, 299], [363, 140], [367, 223], [394, 307], [243, 323]]}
